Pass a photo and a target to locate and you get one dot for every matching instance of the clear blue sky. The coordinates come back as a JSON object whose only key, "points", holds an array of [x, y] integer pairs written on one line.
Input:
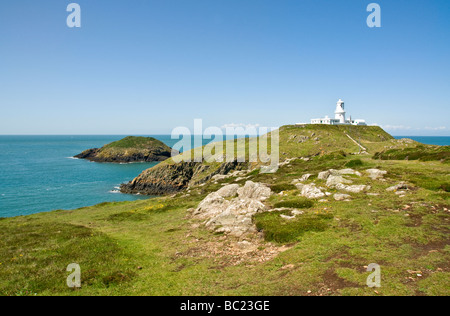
{"points": [[145, 66]]}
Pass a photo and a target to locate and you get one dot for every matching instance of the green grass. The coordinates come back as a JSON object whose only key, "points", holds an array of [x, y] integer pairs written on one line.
{"points": [[299, 203], [135, 142], [277, 188], [420, 152], [354, 163], [280, 230], [155, 247], [35, 255], [111, 241]]}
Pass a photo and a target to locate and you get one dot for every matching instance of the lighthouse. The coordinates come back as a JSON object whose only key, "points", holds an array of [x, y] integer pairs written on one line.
{"points": [[339, 114], [339, 117]]}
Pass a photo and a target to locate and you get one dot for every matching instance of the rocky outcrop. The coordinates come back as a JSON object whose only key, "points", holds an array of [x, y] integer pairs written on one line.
{"points": [[353, 188], [324, 175], [162, 179], [400, 186], [342, 197], [303, 178], [233, 216], [129, 149], [332, 181], [310, 191], [172, 178], [376, 174]]}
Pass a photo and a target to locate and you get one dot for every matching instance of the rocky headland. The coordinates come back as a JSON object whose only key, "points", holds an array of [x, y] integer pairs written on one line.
{"points": [[170, 178], [130, 149]]}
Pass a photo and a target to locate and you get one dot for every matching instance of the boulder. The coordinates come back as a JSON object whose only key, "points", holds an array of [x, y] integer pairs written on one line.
{"points": [[341, 197], [305, 177], [400, 186], [302, 179], [228, 190], [236, 219], [376, 173], [233, 217], [334, 180], [252, 190], [324, 175], [346, 171], [310, 191], [353, 188]]}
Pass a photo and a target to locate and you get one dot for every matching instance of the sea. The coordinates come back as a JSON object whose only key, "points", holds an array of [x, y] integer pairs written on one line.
{"points": [[39, 173]]}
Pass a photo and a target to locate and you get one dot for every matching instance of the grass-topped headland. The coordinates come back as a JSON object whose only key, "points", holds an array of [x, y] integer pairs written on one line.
{"points": [[129, 149], [314, 226]]}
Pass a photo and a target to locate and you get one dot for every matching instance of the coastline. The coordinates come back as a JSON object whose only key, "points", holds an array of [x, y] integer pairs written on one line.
{"points": [[25, 200]]}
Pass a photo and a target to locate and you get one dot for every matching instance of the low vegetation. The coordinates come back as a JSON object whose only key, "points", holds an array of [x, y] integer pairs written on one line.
{"points": [[354, 163], [156, 247], [299, 203], [421, 152], [280, 230], [277, 188]]}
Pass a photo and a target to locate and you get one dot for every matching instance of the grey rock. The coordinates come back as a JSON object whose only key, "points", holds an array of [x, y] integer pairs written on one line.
{"points": [[400, 186], [341, 197], [353, 188], [376, 173], [310, 191], [233, 217], [334, 180]]}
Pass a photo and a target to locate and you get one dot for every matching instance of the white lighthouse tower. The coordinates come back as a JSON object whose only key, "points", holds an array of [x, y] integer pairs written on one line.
{"points": [[340, 112], [339, 117]]}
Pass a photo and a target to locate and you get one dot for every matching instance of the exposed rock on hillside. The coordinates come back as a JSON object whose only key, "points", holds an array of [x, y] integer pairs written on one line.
{"points": [[233, 217], [353, 188], [129, 149], [332, 181], [376, 173], [171, 178], [310, 191], [400, 186], [342, 197]]}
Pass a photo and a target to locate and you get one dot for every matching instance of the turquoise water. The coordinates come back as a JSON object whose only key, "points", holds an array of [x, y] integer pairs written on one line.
{"points": [[37, 173], [429, 140]]}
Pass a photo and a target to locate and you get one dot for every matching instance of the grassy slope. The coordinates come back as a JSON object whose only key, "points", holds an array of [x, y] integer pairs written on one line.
{"points": [[320, 140], [112, 241], [135, 142], [132, 145]]}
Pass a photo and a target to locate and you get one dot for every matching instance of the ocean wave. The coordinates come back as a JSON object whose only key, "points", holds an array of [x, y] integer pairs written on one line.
{"points": [[114, 191]]}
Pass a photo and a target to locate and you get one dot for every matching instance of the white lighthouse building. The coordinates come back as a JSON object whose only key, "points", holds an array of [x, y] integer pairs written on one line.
{"points": [[339, 117]]}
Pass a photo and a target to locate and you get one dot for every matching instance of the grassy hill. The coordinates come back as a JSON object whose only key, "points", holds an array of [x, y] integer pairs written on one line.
{"points": [[155, 247], [129, 149]]}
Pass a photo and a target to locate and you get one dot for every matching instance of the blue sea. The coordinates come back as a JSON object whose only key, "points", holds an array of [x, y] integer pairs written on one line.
{"points": [[38, 173], [429, 140]]}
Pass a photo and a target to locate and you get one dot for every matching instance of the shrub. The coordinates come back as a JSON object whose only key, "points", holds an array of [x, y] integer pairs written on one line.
{"points": [[354, 163], [445, 187], [277, 229], [296, 203], [334, 155], [277, 188]]}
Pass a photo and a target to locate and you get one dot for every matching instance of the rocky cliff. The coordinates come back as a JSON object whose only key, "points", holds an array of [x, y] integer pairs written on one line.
{"points": [[171, 178]]}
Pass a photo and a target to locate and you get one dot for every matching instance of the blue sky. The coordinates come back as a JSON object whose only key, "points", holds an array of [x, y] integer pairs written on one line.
{"points": [[145, 67]]}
